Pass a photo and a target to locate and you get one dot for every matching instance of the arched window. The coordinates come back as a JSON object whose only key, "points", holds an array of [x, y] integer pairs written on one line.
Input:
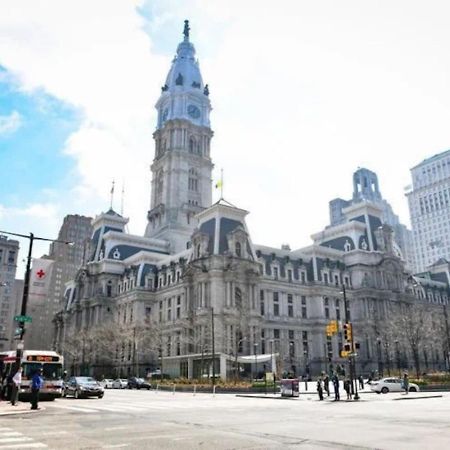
{"points": [[238, 298], [238, 249], [109, 289], [193, 180], [191, 145], [198, 250]]}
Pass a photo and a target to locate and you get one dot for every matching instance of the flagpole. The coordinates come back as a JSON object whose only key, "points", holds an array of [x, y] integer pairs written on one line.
{"points": [[221, 184], [112, 194], [121, 201]]}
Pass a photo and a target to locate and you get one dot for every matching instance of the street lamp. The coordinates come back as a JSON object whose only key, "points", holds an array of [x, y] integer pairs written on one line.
{"points": [[305, 354], [26, 283], [255, 346], [388, 359], [397, 355]]}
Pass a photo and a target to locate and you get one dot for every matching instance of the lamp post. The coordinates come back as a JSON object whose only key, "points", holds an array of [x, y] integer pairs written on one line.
{"points": [[255, 346], [213, 349], [305, 354], [388, 359], [26, 284], [397, 355], [447, 335], [379, 357]]}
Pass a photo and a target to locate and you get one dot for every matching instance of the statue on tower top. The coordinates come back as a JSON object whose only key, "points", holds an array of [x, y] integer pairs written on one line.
{"points": [[186, 30]]}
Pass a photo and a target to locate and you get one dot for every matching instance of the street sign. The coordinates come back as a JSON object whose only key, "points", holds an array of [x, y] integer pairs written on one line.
{"points": [[22, 318]]}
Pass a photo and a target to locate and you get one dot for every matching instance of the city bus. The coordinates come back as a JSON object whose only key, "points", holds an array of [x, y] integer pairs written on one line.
{"points": [[51, 364]]}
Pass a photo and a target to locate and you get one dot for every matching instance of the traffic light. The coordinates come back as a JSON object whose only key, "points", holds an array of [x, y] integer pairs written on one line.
{"points": [[348, 332], [347, 347]]}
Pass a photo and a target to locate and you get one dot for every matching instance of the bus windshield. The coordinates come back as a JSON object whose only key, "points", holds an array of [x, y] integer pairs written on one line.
{"points": [[51, 371]]}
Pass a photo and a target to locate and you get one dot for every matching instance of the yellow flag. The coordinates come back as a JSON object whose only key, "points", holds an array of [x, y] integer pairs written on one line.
{"points": [[219, 184]]}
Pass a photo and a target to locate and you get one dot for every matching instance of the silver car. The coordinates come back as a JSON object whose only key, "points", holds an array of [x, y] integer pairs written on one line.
{"points": [[391, 384]]}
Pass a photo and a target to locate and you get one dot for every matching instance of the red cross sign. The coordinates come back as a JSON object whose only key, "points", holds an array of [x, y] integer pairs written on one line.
{"points": [[40, 274]]}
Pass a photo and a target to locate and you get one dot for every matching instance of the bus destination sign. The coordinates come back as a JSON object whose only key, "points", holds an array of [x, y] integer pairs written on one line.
{"points": [[42, 358]]}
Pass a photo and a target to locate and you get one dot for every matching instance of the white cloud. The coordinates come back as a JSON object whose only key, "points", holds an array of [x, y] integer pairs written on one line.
{"points": [[10, 123], [303, 93]]}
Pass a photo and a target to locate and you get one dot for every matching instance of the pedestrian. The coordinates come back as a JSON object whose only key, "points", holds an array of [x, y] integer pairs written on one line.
{"points": [[320, 388], [361, 382], [36, 385], [16, 382], [337, 397], [347, 388], [406, 383], [326, 384]]}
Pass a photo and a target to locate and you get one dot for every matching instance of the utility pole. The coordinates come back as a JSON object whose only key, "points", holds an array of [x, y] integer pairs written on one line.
{"points": [[213, 348]]}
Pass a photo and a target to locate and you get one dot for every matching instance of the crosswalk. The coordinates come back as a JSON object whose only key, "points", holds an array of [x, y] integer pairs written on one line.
{"points": [[10, 439], [91, 407]]}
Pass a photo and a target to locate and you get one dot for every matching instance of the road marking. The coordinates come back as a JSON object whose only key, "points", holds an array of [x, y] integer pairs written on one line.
{"points": [[116, 446], [27, 445], [76, 408], [115, 428], [11, 433], [15, 439]]}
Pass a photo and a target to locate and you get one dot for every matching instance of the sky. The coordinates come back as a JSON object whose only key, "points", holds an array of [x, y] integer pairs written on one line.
{"points": [[303, 93]]}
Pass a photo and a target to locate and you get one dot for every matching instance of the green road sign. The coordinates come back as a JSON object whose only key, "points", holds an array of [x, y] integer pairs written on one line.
{"points": [[22, 318]]}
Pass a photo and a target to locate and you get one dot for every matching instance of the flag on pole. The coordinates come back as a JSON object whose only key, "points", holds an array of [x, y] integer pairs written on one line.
{"points": [[219, 184], [41, 273]]}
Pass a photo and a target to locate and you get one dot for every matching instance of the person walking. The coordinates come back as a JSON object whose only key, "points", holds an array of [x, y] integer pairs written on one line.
{"points": [[361, 382], [36, 385], [347, 388], [320, 388], [406, 383], [337, 397], [326, 384], [16, 382]]}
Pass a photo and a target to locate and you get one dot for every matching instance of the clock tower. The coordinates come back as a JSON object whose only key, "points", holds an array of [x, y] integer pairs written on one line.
{"points": [[181, 169]]}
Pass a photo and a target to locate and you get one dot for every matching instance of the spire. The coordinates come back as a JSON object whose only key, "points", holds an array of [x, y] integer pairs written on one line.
{"points": [[186, 31]]}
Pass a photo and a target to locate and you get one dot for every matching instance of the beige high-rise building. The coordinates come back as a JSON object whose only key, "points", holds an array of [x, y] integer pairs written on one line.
{"points": [[9, 250], [77, 230], [429, 208]]}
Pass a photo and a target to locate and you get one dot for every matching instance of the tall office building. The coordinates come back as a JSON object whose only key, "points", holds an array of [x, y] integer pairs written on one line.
{"points": [[68, 258], [429, 208], [366, 188], [9, 250]]}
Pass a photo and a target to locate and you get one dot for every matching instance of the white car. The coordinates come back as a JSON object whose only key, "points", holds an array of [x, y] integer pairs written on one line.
{"points": [[120, 383], [107, 383], [386, 385]]}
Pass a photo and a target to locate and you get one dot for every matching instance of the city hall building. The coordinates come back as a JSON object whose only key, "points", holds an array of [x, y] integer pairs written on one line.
{"points": [[205, 292]]}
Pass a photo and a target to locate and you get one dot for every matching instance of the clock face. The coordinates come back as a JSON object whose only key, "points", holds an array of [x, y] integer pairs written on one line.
{"points": [[165, 114], [193, 111]]}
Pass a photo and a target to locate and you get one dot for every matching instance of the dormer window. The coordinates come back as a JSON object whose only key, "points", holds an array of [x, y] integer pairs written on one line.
{"points": [[238, 250]]}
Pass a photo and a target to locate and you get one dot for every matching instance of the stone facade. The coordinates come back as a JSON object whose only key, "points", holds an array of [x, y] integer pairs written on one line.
{"points": [[9, 290], [203, 291]]}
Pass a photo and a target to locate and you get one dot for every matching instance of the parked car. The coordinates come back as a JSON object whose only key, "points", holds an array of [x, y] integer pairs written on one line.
{"points": [[386, 385], [107, 383], [138, 383], [120, 383], [79, 387]]}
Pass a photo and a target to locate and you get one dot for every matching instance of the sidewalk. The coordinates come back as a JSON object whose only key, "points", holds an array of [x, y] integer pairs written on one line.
{"points": [[7, 409]]}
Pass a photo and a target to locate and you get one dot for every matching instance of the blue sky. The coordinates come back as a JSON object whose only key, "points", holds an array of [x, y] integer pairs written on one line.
{"points": [[302, 92], [32, 152]]}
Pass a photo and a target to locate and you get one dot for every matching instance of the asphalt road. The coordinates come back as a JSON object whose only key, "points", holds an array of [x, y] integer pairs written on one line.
{"points": [[150, 420]]}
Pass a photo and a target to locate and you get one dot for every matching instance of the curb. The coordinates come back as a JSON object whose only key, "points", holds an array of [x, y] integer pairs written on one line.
{"points": [[21, 411], [418, 398]]}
